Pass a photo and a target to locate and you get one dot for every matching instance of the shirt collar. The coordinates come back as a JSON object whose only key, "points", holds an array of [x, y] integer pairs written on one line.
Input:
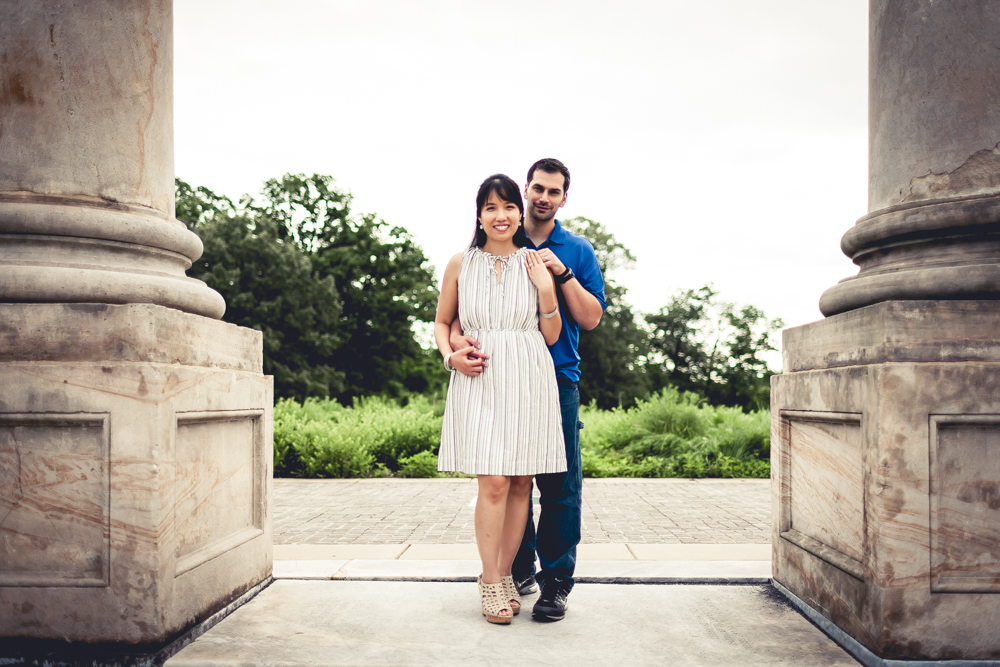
{"points": [[558, 235]]}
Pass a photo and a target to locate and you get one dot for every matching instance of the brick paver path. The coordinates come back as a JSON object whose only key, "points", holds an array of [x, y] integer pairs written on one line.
{"points": [[440, 511]]}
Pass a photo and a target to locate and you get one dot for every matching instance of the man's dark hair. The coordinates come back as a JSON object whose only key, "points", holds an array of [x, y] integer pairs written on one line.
{"points": [[504, 187], [550, 165]]}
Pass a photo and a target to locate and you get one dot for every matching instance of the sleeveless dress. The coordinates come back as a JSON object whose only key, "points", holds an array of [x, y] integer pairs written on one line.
{"points": [[506, 420]]}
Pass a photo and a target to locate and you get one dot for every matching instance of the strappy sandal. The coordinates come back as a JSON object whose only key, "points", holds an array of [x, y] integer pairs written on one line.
{"points": [[512, 595], [492, 597]]}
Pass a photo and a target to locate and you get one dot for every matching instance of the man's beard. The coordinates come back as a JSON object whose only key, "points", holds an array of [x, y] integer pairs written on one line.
{"points": [[549, 214]]}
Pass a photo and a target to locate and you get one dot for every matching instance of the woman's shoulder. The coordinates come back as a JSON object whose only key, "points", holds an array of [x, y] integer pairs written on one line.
{"points": [[455, 264]]}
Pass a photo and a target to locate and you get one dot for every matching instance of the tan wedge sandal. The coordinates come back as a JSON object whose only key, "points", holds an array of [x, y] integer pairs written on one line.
{"points": [[492, 597], [511, 592]]}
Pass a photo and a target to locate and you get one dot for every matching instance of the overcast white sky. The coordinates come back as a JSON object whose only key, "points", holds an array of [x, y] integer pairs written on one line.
{"points": [[723, 141]]}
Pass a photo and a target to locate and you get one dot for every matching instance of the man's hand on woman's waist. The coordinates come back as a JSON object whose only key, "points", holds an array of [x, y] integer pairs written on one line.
{"points": [[467, 361]]}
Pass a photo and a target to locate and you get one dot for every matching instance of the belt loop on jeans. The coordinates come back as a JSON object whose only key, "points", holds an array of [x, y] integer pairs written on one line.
{"points": [[561, 379]]}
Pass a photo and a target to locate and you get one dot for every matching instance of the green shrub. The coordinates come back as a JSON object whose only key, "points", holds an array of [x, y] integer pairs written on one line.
{"points": [[321, 438], [422, 464], [671, 435], [675, 435]]}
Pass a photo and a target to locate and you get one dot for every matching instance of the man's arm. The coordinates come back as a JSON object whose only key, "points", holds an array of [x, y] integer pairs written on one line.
{"points": [[459, 341], [582, 305], [585, 308]]}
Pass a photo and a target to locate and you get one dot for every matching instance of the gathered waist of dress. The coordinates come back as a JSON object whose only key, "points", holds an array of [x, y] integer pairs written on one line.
{"points": [[471, 330]]}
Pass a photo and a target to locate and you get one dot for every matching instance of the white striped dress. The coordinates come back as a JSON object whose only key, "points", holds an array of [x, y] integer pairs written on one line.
{"points": [[505, 421]]}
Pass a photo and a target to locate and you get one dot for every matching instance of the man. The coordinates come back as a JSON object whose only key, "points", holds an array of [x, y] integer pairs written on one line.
{"points": [[580, 289]]}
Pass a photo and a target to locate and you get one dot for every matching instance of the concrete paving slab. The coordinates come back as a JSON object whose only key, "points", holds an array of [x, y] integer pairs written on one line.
{"points": [[585, 552], [672, 572], [594, 572], [411, 570], [307, 569], [603, 552], [441, 552], [701, 551], [410, 624], [336, 551]]}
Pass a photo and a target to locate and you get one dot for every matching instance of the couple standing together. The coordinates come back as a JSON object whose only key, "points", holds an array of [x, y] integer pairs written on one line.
{"points": [[508, 325]]}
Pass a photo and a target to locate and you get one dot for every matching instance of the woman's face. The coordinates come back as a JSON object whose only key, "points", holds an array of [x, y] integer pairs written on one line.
{"points": [[499, 218]]}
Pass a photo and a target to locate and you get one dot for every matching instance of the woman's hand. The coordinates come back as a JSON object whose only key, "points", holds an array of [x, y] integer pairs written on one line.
{"points": [[550, 325], [537, 272], [552, 262], [468, 361]]}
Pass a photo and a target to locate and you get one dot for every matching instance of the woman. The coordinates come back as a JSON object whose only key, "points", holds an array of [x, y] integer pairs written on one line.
{"points": [[502, 420]]}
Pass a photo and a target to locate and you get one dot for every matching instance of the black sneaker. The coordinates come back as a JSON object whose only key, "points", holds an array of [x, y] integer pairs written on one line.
{"points": [[526, 585], [551, 604]]}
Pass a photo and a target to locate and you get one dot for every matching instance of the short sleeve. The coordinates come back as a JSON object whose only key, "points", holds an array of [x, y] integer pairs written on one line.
{"points": [[589, 273]]}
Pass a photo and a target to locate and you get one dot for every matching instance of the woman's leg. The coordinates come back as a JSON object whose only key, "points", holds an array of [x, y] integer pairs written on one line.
{"points": [[491, 506], [516, 516]]}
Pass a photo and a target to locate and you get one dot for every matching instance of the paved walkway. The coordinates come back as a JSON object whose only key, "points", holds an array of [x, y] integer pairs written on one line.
{"points": [[440, 624], [440, 511], [381, 572]]}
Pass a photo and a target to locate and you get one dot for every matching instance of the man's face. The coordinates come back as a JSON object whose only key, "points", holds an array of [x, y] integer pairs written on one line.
{"points": [[545, 195]]}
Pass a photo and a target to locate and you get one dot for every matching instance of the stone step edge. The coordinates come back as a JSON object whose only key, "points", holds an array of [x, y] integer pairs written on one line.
{"points": [[589, 572], [585, 552]]}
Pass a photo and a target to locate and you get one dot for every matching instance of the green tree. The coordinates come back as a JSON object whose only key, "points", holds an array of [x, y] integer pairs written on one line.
{"points": [[612, 355], [714, 348], [744, 376], [269, 285], [336, 294], [382, 279], [678, 354]]}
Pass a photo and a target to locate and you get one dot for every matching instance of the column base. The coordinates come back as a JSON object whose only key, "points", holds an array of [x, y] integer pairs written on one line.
{"points": [[885, 435], [135, 469], [57, 653]]}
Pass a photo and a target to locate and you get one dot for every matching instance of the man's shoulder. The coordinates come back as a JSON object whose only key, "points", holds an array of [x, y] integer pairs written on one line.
{"points": [[581, 247], [575, 241]]}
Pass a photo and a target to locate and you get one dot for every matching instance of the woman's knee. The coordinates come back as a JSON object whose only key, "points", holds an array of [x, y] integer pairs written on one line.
{"points": [[493, 488], [520, 486]]}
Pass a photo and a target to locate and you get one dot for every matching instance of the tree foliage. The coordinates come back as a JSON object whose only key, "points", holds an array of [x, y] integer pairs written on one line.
{"points": [[715, 348], [695, 343], [335, 293], [612, 354]]}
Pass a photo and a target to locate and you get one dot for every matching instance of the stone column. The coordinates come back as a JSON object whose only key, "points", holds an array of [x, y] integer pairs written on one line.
{"points": [[87, 159], [886, 420], [134, 425]]}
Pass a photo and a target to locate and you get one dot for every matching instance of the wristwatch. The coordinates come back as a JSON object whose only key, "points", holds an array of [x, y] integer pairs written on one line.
{"points": [[565, 276], [447, 362]]}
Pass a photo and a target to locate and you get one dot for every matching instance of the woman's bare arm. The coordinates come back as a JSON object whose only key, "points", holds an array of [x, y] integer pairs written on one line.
{"points": [[447, 313]]}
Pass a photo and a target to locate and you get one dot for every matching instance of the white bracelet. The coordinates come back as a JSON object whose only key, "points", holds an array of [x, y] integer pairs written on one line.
{"points": [[548, 315], [447, 362]]}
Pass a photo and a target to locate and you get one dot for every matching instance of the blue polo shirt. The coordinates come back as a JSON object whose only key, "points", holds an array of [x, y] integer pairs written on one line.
{"points": [[577, 253]]}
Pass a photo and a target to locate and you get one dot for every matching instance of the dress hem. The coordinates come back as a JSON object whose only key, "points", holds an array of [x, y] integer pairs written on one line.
{"points": [[504, 474]]}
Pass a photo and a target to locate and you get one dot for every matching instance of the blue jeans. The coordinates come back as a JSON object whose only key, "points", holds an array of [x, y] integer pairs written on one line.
{"points": [[561, 499]]}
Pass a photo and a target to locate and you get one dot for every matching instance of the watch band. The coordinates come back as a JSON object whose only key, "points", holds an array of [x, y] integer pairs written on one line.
{"points": [[565, 276]]}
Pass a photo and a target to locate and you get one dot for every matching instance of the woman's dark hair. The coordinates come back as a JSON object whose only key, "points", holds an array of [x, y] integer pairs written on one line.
{"points": [[505, 189]]}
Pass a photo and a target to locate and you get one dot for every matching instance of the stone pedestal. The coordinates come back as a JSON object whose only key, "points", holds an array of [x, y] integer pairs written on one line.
{"points": [[135, 439], [886, 475], [135, 467], [886, 419]]}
